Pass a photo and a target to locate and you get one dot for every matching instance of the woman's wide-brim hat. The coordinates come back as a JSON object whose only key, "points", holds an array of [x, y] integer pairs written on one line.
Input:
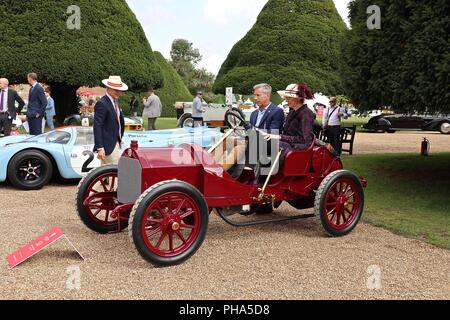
{"points": [[297, 91], [115, 82]]}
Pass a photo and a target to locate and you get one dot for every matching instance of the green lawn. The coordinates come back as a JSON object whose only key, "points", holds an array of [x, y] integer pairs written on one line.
{"points": [[163, 123], [407, 194], [358, 122]]}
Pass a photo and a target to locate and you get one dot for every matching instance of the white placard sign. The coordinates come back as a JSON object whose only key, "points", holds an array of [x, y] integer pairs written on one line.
{"points": [[229, 96]]}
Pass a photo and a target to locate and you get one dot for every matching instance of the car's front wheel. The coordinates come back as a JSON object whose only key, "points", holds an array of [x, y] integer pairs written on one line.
{"points": [[444, 128], [30, 170], [168, 222]]}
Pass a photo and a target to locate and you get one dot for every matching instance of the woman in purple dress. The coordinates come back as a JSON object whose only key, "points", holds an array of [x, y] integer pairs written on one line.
{"points": [[298, 127]]}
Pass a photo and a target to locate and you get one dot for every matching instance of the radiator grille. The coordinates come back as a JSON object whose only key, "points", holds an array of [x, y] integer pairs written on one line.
{"points": [[129, 179]]}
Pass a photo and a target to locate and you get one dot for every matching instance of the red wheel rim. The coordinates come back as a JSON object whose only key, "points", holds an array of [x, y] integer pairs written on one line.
{"points": [[101, 199], [171, 224], [342, 204]]}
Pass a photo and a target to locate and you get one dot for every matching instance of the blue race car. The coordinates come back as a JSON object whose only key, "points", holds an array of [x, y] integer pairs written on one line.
{"points": [[29, 162]]}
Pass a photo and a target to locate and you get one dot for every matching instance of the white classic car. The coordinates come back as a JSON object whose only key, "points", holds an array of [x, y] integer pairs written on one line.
{"points": [[214, 115]]}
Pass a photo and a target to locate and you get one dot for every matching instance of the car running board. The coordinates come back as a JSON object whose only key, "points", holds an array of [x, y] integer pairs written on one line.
{"points": [[260, 222]]}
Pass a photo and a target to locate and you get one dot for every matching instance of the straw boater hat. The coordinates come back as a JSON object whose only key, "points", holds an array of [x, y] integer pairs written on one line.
{"points": [[115, 82], [297, 91]]}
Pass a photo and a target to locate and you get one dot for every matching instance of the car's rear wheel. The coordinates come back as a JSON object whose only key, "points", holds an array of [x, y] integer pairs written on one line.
{"points": [[444, 128], [339, 203], [30, 170], [73, 122], [168, 223], [186, 121], [96, 199]]}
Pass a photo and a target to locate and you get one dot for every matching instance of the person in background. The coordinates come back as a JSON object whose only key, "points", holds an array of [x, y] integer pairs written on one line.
{"points": [[37, 102], [152, 108], [134, 106], [179, 106], [50, 111], [332, 118], [198, 110], [8, 112], [91, 105]]}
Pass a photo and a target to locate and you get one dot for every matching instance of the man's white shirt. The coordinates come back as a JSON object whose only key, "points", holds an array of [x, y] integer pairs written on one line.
{"points": [[332, 114]]}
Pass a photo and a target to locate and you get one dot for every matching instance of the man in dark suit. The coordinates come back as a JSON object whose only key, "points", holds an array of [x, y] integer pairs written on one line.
{"points": [[268, 117], [109, 124], [37, 102], [8, 112]]}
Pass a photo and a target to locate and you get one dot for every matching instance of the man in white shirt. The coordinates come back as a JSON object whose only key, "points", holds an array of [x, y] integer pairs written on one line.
{"points": [[198, 110], [332, 124]]}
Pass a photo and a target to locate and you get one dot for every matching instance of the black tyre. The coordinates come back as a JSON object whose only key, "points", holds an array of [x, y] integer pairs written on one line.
{"points": [[444, 127], [73, 122], [30, 170], [186, 121], [96, 198], [339, 203], [391, 131], [168, 223]]}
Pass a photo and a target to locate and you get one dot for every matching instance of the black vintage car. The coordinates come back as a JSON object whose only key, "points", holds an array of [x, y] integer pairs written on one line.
{"points": [[395, 122]]}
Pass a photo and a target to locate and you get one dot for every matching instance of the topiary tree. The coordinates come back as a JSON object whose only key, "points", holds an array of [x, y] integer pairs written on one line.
{"points": [[44, 36], [404, 64], [292, 41]]}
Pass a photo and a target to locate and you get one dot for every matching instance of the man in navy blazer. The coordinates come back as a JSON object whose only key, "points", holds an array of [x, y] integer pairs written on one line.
{"points": [[37, 102], [268, 117], [109, 124]]}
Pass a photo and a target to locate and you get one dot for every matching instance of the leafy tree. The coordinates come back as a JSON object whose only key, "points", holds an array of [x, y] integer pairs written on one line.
{"points": [[184, 58], [39, 36], [202, 80], [292, 41], [406, 63]]}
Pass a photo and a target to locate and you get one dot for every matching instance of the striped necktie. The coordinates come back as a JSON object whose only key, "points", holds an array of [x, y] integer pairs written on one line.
{"points": [[1, 102], [116, 106]]}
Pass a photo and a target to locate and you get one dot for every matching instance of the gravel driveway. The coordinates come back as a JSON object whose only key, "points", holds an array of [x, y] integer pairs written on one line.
{"points": [[283, 261], [400, 142]]}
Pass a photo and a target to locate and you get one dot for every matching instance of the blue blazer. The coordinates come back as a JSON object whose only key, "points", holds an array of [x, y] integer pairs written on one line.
{"points": [[106, 126], [37, 102], [273, 119]]}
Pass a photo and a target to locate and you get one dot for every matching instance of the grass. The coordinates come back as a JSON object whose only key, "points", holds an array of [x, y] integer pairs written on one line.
{"points": [[171, 123], [163, 123], [407, 194], [355, 121]]}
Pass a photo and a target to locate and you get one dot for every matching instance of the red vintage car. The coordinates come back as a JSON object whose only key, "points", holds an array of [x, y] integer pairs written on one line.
{"points": [[165, 196]]}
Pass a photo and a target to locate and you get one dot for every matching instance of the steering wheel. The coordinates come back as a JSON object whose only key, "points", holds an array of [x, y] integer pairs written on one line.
{"points": [[236, 122]]}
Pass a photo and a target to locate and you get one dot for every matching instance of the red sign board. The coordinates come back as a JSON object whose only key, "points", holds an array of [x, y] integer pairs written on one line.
{"points": [[34, 247]]}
